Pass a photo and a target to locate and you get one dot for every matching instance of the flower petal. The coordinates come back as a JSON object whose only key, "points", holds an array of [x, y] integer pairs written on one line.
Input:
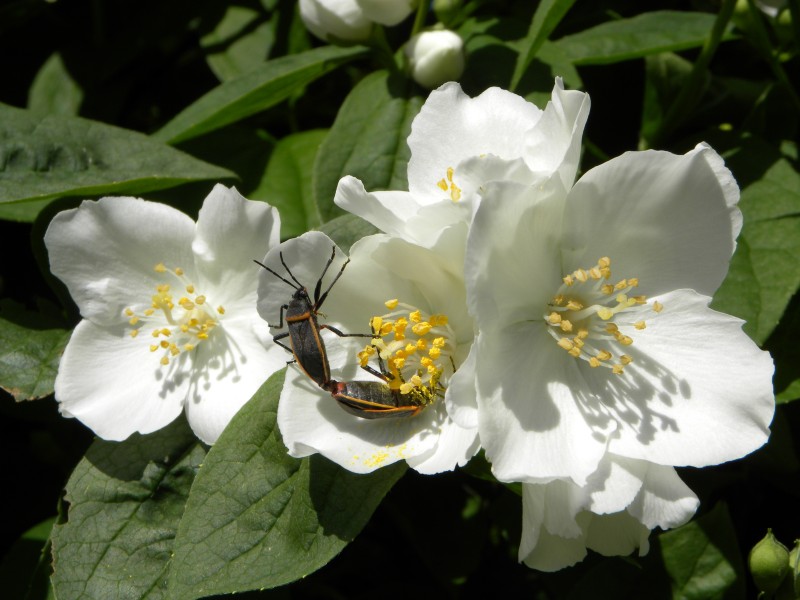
{"points": [[311, 421], [115, 386], [412, 218], [539, 548], [306, 258], [616, 534], [699, 391], [669, 220], [231, 232], [530, 425], [455, 447], [664, 501], [451, 127], [105, 251], [228, 369], [513, 224], [554, 145]]}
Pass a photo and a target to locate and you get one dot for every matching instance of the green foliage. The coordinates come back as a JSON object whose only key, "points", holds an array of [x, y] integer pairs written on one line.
{"points": [[367, 140], [257, 518], [645, 34], [30, 348], [94, 101], [125, 502], [53, 156], [765, 272], [256, 90], [286, 184]]}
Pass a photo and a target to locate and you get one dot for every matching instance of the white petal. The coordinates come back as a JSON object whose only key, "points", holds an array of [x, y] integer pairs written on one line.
{"points": [[335, 19], [530, 424], [115, 386], [617, 534], [105, 251], [699, 391], [306, 258], [614, 485], [231, 232], [451, 127], [669, 220], [309, 418], [228, 369], [539, 548], [512, 225], [455, 447], [419, 220], [664, 501], [461, 397], [386, 12], [554, 145]]}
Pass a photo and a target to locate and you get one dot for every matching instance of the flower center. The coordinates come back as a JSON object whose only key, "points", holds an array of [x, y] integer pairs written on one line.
{"points": [[414, 351], [179, 325], [588, 314], [446, 184]]}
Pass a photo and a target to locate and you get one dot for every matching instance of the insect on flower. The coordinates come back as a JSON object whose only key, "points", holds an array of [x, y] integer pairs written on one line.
{"points": [[305, 341], [379, 400]]}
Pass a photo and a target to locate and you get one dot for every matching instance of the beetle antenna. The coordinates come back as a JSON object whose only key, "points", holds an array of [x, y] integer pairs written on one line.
{"points": [[278, 276]]}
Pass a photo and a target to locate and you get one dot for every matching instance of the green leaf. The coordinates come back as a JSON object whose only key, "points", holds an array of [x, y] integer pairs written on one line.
{"points": [[792, 392], [648, 33], [30, 349], [254, 91], [702, 558], [42, 158], [765, 273], [547, 16], [367, 140], [664, 75], [286, 184], [347, 229], [24, 570], [240, 42], [258, 518], [54, 91], [126, 499]]}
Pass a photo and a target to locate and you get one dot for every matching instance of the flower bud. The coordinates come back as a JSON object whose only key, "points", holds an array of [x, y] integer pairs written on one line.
{"points": [[446, 9], [335, 20], [387, 12], [794, 565], [769, 563], [436, 57], [771, 7]]}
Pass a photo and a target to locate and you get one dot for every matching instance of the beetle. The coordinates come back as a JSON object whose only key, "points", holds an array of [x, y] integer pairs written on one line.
{"points": [[373, 399], [378, 400], [300, 314]]}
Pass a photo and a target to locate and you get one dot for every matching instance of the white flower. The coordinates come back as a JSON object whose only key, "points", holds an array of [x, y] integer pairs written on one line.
{"points": [[381, 269], [335, 20], [612, 513], [387, 12], [459, 144], [436, 57], [168, 305], [595, 335]]}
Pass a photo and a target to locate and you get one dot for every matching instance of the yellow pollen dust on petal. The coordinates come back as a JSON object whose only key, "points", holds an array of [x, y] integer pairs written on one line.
{"points": [[604, 315]]}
